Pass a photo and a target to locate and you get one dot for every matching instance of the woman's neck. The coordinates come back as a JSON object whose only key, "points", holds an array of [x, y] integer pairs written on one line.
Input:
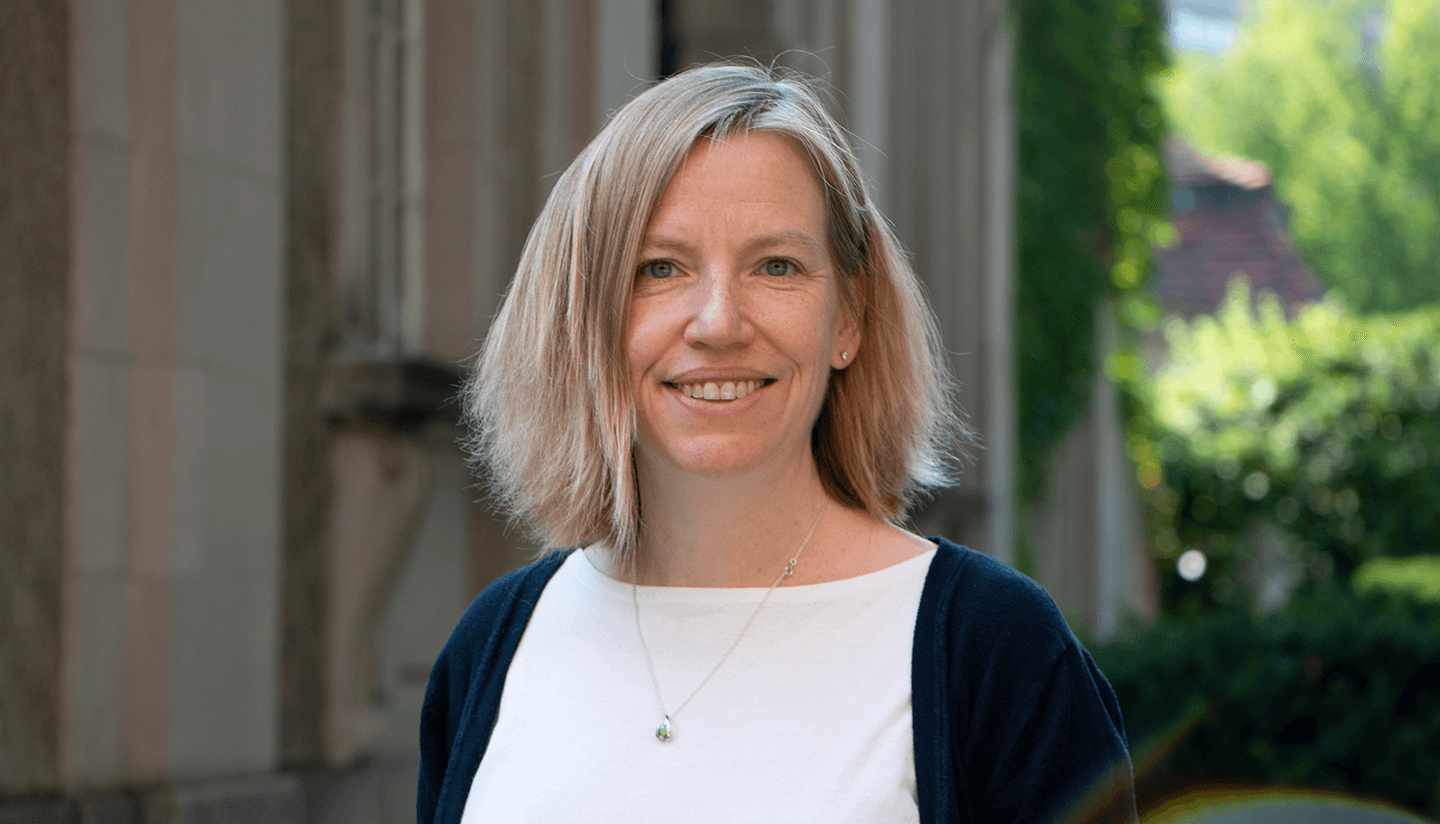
{"points": [[725, 532], [740, 532], [716, 540]]}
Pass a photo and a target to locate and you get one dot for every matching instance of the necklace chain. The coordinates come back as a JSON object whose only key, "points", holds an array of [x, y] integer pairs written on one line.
{"points": [[663, 732]]}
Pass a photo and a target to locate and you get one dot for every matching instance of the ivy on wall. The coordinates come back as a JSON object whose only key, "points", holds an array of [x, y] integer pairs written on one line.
{"points": [[1092, 202]]}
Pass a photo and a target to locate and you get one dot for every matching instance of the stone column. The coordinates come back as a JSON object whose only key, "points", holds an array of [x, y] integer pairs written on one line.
{"points": [[36, 295], [949, 166], [172, 466], [1088, 533]]}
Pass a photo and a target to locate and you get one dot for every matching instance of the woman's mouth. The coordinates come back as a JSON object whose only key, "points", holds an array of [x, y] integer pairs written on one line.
{"points": [[719, 390]]}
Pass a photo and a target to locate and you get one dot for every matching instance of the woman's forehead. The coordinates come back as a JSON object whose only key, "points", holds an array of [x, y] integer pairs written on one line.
{"points": [[762, 180]]}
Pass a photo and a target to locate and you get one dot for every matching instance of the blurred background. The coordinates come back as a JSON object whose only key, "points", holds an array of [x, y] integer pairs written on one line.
{"points": [[1185, 256]]}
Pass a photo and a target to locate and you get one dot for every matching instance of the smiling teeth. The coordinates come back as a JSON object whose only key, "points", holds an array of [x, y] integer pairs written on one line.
{"points": [[713, 391]]}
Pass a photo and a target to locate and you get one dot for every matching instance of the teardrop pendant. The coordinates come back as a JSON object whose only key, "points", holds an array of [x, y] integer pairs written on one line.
{"points": [[662, 732]]}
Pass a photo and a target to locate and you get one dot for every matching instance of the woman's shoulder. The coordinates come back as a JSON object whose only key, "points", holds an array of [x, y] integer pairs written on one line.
{"points": [[1037, 725], [520, 586], [982, 600], [506, 601], [977, 575]]}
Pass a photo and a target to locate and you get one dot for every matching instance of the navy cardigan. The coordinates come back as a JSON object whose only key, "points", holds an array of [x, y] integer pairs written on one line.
{"points": [[1013, 721]]}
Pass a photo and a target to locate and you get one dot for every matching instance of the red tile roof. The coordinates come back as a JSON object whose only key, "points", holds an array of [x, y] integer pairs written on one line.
{"points": [[1188, 167], [1228, 221]]}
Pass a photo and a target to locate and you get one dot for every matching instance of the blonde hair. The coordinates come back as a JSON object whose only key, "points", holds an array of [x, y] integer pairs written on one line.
{"points": [[550, 403]]}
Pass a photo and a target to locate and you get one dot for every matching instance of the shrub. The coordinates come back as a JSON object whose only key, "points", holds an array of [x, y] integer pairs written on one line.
{"points": [[1417, 576], [1315, 437], [1335, 692]]}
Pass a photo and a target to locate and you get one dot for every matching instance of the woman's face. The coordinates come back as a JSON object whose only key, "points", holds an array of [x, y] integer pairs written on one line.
{"points": [[735, 320]]}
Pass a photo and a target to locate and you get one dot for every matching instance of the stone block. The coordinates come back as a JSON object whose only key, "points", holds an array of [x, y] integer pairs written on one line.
{"points": [[229, 61], [227, 464], [382, 791], [272, 799], [101, 32], [96, 647], [102, 415], [229, 285], [104, 170], [109, 808], [37, 812], [225, 684]]}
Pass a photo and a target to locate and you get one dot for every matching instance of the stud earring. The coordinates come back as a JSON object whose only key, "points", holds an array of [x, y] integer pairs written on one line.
{"points": [[845, 356]]}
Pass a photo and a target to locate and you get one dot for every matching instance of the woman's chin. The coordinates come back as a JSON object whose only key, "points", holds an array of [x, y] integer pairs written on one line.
{"points": [[716, 467], [716, 461]]}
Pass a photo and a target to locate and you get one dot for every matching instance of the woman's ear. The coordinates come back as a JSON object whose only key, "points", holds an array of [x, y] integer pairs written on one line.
{"points": [[847, 340]]}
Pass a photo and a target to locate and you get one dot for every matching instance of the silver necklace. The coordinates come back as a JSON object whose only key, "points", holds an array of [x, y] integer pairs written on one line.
{"points": [[665, 731]]}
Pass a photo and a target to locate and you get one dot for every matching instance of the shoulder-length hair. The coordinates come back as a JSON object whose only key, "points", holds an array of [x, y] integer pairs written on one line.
{"points": [[550, 403]]}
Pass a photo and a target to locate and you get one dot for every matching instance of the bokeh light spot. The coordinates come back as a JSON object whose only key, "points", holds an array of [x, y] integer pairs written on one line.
{"points": [[1191, 564]]}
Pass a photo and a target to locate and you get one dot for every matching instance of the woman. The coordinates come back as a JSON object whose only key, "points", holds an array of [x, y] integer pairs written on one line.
{"points": [[715, 374]]}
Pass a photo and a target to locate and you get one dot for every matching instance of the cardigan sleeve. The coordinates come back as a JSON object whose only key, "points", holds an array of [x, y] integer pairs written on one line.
{"points": [[1021, 724], [1051, 747], [462, 699]]}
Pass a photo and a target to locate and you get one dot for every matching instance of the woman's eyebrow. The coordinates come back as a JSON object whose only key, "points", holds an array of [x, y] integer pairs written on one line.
{"points": [[663, 243], [786, 237]]}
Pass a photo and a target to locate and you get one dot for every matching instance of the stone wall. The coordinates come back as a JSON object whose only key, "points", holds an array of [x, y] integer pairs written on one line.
{"points": [[313, 79], [35, 299]]}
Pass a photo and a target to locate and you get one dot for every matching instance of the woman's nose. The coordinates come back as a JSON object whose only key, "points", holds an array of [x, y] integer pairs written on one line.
{"points": [[719, 319]]}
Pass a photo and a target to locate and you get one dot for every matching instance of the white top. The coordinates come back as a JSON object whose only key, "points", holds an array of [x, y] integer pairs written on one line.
{"points": [[808, 720]]}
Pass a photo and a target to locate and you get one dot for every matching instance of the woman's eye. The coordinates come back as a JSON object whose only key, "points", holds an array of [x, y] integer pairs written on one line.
{"points": [[658, 269], [779, 268]]}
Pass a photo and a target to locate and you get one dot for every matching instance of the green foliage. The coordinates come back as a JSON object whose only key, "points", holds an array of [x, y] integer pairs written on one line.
{"points": [[1417, 576], [1336, 693], [1091, 199], [1351, 135], [1321, 430]]}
